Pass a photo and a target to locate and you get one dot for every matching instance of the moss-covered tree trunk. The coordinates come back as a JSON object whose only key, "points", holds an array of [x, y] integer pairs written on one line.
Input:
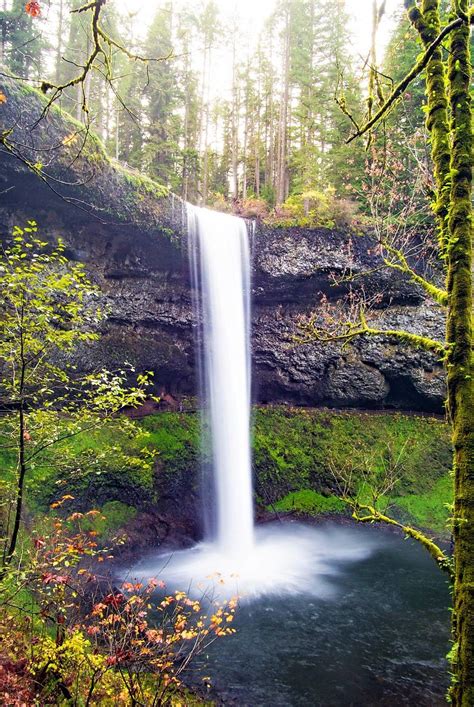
{"points": [[460, 368], [426, 20], [451, 149]]}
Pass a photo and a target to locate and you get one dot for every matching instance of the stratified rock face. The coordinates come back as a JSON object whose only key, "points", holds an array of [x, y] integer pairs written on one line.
{"points": [[132, 240], [145, 282], [294, 270]]}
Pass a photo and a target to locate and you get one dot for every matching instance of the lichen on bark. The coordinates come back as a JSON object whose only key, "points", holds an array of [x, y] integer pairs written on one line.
{"points": [[460, 358], [426, 21]]}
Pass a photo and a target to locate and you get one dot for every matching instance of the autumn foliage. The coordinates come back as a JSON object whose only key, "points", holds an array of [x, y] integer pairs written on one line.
{"points": [[33, 9], [71, 634]]}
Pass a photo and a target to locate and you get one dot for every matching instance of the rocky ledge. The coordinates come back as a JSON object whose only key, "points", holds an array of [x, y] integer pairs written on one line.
{"points": [[131, 235]]}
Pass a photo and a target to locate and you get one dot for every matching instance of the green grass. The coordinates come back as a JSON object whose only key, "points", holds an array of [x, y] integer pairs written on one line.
{"points": [[309, 501]]}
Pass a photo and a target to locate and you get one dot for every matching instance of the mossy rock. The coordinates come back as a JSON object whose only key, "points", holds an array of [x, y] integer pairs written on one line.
{"points": [[309, 502], [294, 450]]}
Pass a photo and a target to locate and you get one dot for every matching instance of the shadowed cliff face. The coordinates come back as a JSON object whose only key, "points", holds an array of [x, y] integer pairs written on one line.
{"points": [[132, 239], [293, 270], [145, 284]]}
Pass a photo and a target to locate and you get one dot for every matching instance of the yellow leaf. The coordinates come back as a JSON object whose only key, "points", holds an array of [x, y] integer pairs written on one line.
{"points": [[70, 139]]}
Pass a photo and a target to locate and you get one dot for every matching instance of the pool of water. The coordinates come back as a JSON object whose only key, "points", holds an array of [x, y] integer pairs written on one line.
{"points": [[377, 635]]}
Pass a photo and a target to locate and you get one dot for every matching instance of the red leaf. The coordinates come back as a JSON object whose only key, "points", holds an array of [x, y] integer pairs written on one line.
{"points": [[114, 600], [33, 9]]}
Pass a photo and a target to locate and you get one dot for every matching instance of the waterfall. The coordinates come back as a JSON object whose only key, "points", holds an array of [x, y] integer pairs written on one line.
{"points": [[236, 558], [220, 268]]}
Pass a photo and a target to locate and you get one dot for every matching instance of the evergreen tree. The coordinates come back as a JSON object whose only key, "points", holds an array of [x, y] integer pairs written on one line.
{"points": [[162, 96]]}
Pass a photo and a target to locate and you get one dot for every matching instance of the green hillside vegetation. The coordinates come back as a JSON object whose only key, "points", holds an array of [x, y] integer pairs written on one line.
{"points": [[293, 451]]}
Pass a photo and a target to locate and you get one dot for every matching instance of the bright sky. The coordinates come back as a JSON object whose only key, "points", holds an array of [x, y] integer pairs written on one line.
{"points": [[361, 16], [254, 12]]}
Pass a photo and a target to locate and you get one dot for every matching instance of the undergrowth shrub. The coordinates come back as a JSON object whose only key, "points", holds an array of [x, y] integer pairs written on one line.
{"points": [[312, 209], [70, 635]]}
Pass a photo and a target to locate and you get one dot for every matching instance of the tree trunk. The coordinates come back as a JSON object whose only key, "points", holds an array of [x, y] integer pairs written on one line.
{"points": [[21, 469], [281, 185], [117, 132], [235, 124], [460, 362], [246, 135], [4, 34], [59, 41], [427, 23], [452, 154], [201, 120]]}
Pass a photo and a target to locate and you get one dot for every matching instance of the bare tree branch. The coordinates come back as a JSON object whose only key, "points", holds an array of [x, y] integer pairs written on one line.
{"points": [[401, 87], [102, 45], [378, 486], [344, 332]]}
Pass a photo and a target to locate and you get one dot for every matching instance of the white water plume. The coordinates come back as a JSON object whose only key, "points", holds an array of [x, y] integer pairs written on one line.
{"points": [[287, 559], [235, 558]]}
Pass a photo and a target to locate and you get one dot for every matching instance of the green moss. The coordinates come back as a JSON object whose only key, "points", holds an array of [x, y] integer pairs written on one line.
{"points": [[141, 181], [114, 515], [426, 21], [96, 466], [295, 445], [133, 194], [176, 437], [309, 501], [69, 123], [460, 362], [431, 509], [293, 450]]}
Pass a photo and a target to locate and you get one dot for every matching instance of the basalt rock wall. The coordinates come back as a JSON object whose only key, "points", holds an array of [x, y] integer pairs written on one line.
{"points": [[131, 236]]}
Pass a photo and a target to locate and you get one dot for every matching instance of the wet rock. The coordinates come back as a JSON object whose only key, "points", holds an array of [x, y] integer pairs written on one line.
{"points": [[131, 238]]}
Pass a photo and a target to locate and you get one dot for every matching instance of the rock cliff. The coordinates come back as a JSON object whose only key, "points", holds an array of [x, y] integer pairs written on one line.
{"points": [[131, 236]]}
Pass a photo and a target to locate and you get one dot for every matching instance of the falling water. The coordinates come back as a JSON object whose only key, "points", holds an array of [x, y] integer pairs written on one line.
{"points": [[221, 274], [234, 557]]}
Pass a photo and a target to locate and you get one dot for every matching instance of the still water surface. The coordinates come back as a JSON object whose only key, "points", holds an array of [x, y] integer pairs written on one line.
{"points": [[380, 639]]}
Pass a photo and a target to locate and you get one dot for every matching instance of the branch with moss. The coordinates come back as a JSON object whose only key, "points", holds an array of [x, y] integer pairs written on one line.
{"points": [[401, 87], [344, 332], [102, 46], [426, 22], [378, 486], [400, 263], [365, 513]]}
